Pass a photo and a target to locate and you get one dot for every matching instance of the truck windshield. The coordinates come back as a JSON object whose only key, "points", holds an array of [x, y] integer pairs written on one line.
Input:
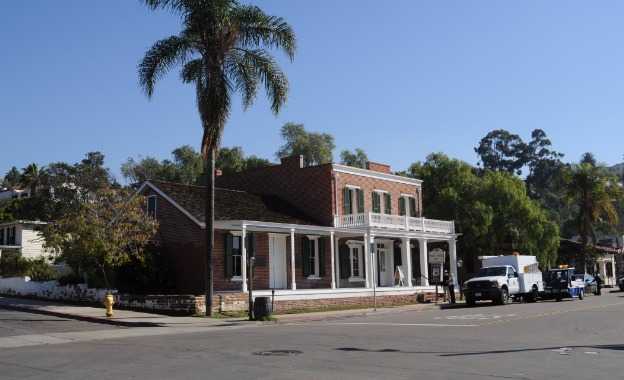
{"points": [[492, 271]]}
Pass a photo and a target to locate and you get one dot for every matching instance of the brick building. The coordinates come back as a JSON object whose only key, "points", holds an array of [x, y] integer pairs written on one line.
{"points": [[326, 232]]}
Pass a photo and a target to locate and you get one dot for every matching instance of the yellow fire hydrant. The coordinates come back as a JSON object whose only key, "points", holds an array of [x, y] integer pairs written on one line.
{"points": [[108, 302]]}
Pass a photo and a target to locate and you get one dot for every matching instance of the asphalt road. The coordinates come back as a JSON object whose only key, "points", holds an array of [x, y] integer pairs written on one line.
{"points": [[546, 340]]}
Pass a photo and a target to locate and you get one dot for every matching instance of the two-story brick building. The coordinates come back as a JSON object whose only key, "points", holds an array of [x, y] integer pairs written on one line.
{"points": [[325, 233]]}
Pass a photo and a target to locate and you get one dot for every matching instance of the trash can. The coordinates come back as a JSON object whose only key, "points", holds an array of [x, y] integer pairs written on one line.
{"points": [[262, 307]]}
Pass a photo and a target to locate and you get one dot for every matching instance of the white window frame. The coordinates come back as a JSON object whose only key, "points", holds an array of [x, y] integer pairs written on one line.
{"points": [[155, 198], [314, 253], [354, 202], [353, 245], [239, 235], [407, 205]]}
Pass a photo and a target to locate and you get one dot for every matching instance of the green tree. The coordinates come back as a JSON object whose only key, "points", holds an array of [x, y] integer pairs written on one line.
{"points": [[31, 178], [223, 49], [357, 158], [108, 231], [12, 178], [594, 194], [186, 167], [233, 160], [316, 148], [501, 150], [492, 211]]}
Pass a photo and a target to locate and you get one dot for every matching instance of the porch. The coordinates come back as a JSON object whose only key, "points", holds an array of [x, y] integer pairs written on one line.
{"points": [[318, 262]]}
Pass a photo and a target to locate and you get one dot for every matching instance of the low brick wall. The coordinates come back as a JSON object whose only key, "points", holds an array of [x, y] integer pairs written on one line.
{"points": [[347, 302]]}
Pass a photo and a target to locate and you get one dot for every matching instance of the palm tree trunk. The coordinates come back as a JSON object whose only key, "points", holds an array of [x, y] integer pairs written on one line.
{"points": [[209, 230]]}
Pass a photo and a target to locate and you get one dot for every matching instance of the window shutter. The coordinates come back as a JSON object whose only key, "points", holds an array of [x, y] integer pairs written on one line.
{"points": [[306, 256], [376, 202], [388, 205], [321, 256], [360, 201], [412, 203], [250, 245], [345, 266], [228, 259], [346, 201], [402, 206]]}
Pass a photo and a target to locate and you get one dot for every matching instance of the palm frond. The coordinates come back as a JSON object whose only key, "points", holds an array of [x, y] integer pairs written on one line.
{"points": [[256, 28], [267, 71], [192, 71], [160, 58], [213, 102]]}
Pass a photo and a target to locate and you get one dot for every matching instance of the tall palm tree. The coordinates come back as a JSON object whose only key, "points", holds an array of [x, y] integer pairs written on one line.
{"points": [[223, 48], [31, 178], [593, 195]]}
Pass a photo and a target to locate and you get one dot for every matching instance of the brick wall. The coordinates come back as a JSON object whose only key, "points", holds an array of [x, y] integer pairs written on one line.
{"points": [[368, 184]]}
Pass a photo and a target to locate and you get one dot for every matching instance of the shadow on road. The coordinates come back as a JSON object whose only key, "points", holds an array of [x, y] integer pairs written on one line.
{"points": [[615, 347]]}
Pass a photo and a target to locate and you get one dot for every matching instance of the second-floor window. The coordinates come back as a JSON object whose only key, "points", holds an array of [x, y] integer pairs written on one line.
{"points": [[407, 205], [10, 239], [1, 236], [377, 197], [352, 200]]}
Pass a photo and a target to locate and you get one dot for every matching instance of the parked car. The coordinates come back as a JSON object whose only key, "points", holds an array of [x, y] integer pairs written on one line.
{"points": [[560, 283], [590, 282], [621, 283]]}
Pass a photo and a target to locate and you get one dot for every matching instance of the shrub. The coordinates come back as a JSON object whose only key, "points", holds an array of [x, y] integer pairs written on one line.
{"points": [[40, 270], [70, 279]]}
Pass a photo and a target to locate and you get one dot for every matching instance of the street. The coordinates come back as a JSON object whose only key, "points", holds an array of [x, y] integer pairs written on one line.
{"points": [[569, 339]]}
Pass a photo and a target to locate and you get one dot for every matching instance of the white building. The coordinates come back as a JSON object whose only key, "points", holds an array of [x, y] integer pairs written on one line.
{"points": [[23, 237], [8, 194]]}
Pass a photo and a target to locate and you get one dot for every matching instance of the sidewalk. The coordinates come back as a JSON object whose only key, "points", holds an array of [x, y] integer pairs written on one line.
{"points": [[339, 314], [124, 318]]}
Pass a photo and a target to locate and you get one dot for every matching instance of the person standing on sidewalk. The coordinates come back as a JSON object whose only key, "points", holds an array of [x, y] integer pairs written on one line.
{"points": [[450, 285], [598, 284]]}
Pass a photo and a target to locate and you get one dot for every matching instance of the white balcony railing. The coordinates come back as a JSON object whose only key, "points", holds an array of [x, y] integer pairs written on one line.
{"points": [[396, 222]]}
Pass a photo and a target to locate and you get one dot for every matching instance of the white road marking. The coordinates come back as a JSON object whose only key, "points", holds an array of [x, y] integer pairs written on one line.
{"points": [[398, 324], [481, 317]]}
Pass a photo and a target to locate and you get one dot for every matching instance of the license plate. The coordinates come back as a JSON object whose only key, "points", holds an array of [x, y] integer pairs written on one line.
{"points": [[477, 294]]}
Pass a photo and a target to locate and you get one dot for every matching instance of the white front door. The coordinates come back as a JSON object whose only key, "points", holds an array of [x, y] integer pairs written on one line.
{"points": [[277, 261], [385, 264]]}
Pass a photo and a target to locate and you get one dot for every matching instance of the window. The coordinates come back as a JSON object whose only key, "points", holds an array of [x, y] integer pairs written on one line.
{"points": [[313, 257], [1, 236], [407, 205], [352, 200], [233, 256], [10, 239], [387, 203], [356, 260], [151, 206], [376, 196], [236, 257]]}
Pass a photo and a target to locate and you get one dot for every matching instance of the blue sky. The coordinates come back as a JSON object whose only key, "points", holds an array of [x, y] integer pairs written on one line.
{"points": [[400, 79]]}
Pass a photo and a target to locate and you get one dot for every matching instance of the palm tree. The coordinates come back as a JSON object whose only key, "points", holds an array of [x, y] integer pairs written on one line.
{"points": [[593, 194], [31, 178], [223, 48]]}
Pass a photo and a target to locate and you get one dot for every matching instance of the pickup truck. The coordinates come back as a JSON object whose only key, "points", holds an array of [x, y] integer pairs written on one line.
{"points": [[503, 278]]}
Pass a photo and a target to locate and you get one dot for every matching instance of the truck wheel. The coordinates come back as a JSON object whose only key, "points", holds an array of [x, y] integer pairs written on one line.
{"points": [[470, 301], [504, 296], [534, 295], [581, 294]]}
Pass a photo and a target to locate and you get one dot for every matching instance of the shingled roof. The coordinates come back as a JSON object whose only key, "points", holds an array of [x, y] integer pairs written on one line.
{"points": [[234, 204]]}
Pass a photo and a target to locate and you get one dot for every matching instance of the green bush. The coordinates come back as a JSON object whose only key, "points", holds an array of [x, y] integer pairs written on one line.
{"points": [[40, 270], [12, 264], [70, 279]]}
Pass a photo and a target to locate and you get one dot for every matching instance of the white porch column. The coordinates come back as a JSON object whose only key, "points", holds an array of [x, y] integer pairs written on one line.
{"points": [[367, 269], [293, 283], [332, 249], [424, 268], [407, 259], [337, 260], [453, 261], [244, 259]]}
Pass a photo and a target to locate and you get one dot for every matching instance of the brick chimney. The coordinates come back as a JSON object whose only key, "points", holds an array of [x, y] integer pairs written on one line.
{"points": [[377, 167], [292, 162]]}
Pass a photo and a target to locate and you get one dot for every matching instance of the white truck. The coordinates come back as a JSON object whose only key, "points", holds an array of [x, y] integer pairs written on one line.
{"points": [[503, 278]]}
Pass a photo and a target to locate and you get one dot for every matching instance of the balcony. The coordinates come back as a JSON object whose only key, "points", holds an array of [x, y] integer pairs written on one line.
{"points": [[395, 222]]}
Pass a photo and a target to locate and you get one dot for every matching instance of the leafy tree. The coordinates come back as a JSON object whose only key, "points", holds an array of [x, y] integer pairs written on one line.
{"points": [[12, 178], [102, 234], [31, 178], [186, 167], [222, 48], [593, 193], [316, 148], [357, 158], [492, 211], [502, 151], [233, 160]]}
